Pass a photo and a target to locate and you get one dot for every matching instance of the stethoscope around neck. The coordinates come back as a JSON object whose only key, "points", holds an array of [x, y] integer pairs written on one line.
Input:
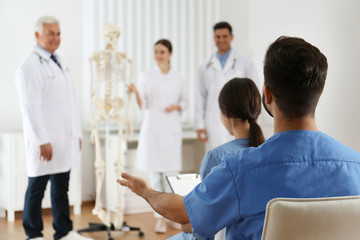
{"points": [[210, 63], [48, 70]]}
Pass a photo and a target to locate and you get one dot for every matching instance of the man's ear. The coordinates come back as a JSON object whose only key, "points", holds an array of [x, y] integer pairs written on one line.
{"points": [[37, 35], [269, 97]]}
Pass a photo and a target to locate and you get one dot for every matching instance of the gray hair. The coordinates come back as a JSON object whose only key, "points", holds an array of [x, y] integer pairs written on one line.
{"points": [[42, 20]]}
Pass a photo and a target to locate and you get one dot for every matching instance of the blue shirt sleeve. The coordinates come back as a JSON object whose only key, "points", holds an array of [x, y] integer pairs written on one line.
{"points": [[214, 203], [208, 163]]}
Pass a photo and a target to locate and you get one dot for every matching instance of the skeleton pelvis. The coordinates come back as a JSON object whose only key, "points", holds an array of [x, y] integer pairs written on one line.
{"points": [[109, 108]]}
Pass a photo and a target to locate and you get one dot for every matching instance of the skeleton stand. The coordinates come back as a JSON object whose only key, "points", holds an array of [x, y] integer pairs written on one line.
{"points": [[96, 227]]}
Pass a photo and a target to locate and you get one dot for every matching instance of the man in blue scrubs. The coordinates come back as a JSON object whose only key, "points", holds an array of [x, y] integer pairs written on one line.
{"points": [[298, 161]]}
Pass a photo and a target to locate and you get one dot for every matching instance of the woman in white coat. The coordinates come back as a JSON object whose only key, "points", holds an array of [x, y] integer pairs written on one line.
{"points": [[161, 96]]}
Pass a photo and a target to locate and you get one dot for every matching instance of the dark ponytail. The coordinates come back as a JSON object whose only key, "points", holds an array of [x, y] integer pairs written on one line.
{"points": [[256, 135], [240, 98]]}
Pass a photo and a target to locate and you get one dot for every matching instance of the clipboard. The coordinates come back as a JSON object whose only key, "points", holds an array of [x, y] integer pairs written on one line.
{"points": [[182, 184]]}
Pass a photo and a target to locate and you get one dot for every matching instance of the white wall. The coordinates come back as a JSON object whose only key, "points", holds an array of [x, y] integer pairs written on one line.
{"points": [[236, 13], [332, 26]]}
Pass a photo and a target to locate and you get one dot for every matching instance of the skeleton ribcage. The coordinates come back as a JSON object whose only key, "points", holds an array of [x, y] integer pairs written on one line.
{"points": [[111, 74]]}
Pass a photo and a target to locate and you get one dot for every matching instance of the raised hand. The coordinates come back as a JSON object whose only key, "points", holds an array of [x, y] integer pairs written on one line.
{"points": [[132, 88], [137, 185]]}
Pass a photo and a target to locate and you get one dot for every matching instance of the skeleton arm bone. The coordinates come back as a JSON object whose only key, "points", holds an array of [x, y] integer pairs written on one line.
{"points": [[129, 128], [92, 96]]}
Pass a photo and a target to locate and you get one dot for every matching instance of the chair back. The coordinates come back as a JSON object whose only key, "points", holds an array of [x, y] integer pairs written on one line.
{"points": [[312, 219]]}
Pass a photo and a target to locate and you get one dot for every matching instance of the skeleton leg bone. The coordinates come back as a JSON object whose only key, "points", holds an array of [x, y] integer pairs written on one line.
{"points": [[100, 174]]}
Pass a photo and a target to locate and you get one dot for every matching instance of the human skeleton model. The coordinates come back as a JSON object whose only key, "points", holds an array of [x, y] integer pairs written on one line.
{"points": [[110, 72]]}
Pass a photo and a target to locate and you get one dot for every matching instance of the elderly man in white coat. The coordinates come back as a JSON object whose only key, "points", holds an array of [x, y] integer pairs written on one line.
{"points": [[52, 131], [224, 65]]}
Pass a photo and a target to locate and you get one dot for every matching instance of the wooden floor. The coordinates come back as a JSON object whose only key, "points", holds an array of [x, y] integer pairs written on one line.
{"points": [[146, 221]]}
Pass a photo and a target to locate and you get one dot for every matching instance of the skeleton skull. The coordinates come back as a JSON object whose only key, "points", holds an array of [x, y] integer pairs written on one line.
{"points": [[111, 33]]}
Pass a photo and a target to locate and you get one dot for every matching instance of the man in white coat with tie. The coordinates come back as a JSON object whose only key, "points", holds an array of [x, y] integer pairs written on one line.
{"points": [[52, 131], [224, 65]]}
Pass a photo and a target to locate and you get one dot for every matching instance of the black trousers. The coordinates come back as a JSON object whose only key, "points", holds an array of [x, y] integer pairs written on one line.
{"points": [[32, 217]]}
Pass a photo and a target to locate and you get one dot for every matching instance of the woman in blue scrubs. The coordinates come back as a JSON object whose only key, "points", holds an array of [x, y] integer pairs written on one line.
{"points": [[240, 106]]}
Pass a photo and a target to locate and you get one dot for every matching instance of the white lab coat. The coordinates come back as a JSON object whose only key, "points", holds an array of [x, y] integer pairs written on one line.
{"points": [[160, 140], [211, 80], [50, 114]]}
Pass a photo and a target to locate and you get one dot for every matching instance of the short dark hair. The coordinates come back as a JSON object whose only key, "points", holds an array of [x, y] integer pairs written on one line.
{"points": [[166, 43], [295, 72], [240, 98], [222, 25]]}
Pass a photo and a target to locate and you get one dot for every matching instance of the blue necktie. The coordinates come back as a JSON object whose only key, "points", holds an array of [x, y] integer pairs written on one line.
{"points": [[55, 60]]}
